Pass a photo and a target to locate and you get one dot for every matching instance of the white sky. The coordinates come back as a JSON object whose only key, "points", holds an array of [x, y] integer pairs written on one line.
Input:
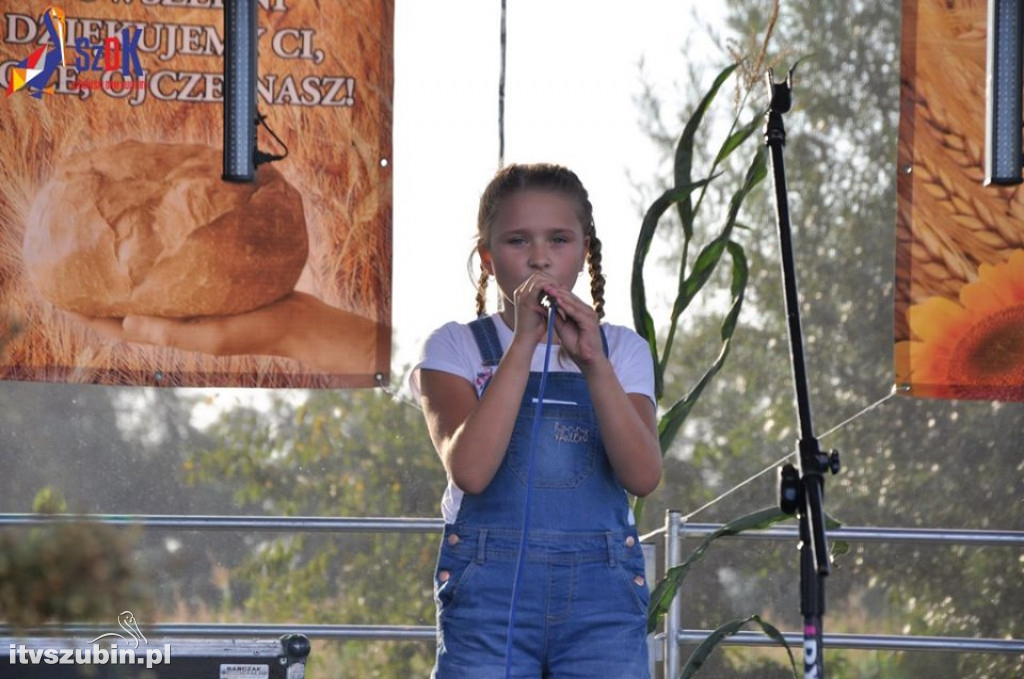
{"points": [[572, 76]]}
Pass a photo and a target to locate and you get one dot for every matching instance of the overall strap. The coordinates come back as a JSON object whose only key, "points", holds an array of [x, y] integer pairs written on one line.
{"points": [[486, 335]]}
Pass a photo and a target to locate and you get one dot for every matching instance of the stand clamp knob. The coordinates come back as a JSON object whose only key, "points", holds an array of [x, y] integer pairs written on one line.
{"points": [[833, 462]]}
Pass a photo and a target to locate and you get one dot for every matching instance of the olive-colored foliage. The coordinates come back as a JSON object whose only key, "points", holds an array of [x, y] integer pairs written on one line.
{"points": [[110, 450], [340, 453], [67, 571], [907, 462]]}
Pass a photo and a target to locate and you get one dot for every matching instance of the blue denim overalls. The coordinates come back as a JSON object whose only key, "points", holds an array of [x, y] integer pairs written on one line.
{"points": [[582, 604]]}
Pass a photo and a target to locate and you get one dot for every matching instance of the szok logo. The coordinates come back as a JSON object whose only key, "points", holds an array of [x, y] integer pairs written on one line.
{"points": [[112, 55], [116, 59], [35, 73]]}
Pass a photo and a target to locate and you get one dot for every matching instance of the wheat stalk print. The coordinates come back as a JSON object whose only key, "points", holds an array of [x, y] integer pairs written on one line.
{"points": [[334, 160], [956, 238]]}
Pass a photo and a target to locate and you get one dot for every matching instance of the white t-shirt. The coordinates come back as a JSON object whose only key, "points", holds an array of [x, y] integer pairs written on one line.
{"points": [[452, 349]]}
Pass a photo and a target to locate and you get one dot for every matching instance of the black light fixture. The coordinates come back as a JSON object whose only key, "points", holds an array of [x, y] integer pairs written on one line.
{"points": [[240, 73], [1003, 119]]}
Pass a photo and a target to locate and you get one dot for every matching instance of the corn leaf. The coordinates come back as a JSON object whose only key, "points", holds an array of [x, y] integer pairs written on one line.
{"points": [[684, 149], [665, 591], [703, 651], [642, 321]]}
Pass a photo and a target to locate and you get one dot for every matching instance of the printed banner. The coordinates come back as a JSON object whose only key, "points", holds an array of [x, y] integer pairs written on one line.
{"points": [[959, 321], [126, 259]]}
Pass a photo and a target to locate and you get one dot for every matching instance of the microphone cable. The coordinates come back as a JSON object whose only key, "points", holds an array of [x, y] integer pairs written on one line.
{"points": [[517, 579]]}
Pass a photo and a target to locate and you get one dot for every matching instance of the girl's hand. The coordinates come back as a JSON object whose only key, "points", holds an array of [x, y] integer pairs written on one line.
{"points": [[578, 327], [531, 317]]}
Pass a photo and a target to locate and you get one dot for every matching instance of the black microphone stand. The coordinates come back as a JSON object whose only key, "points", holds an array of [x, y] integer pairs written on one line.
{"points": [[801, 489]]}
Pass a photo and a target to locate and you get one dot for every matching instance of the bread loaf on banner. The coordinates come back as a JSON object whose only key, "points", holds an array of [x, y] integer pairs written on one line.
{"points": [[152, 229]]}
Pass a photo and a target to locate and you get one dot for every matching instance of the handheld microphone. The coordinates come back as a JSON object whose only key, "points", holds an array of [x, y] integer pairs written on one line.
{"points": [[547, 301]]}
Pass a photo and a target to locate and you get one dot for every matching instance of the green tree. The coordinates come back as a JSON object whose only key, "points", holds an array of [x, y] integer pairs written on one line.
{"points": [[338, 453], [907, 462], [111, 451]]}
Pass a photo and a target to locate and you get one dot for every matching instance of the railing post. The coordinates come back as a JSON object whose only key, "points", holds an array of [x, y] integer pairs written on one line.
{"points": [[654, 645], [673, 520]]}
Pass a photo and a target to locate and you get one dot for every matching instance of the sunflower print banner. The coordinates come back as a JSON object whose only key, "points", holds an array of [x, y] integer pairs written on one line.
{"points": [[959, 317]]}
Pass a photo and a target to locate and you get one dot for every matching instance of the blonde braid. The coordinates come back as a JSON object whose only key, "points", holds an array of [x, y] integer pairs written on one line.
{"points": [[596, 275], [481, 292]]}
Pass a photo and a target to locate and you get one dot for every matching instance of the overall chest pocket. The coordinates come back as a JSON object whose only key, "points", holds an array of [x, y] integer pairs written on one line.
{"points": [[567, 445]]}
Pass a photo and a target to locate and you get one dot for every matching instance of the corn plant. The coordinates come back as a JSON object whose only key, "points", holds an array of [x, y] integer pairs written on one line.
{"points": [[687, 195]]}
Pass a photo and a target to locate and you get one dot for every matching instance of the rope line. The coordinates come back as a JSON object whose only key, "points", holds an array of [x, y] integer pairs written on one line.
{"points": [[871, 407], [775, 464]]}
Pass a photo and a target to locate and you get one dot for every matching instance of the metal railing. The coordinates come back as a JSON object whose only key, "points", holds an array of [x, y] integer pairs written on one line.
{"points": [[265, 524], [269, 524], [675, 530], [668, 641]]}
